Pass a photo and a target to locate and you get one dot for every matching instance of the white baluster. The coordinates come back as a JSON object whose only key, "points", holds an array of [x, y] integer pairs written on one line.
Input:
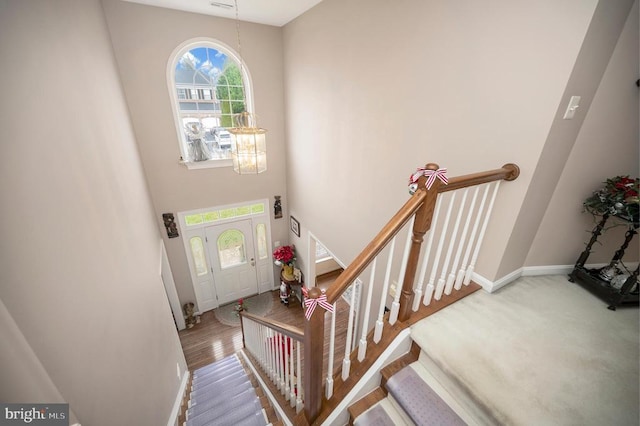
{"points": [[362, 348], [377, 335], [463, 238], [281, 364], [452, 243], [395, 306], [476, 223], [346, 362], [467, 278], [270, 353], [436, 262], [249, 336], [263, 345], [276, 352], [259, 354], [285, 361], [428, 291], [332, 343], [299, 399]]}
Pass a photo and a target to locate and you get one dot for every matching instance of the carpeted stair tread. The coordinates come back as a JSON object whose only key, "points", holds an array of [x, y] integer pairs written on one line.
{"points": [[213, 395], [419, 401], [258, 419], [375, 416], [223, 382], [217, 371], [225, 362], [227, 417], [226, 406], [218, 386], [224, 394], [221, 400], [215, 375]]}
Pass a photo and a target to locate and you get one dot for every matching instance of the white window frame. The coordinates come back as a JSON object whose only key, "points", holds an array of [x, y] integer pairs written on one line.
{"points": [[175, 56]]}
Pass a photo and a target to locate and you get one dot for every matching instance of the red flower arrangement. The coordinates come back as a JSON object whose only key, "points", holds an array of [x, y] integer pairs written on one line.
{"points": [[284, 255], [618, 197]]}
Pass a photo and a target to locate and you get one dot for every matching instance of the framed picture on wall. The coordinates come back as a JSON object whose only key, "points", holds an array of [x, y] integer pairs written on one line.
{"points": [[295, 226]]}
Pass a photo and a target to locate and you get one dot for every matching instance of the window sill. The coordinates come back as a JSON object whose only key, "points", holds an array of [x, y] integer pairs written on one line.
{"points": [[209, 164]]}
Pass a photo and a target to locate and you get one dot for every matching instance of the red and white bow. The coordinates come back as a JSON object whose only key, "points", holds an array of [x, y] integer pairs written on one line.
{"points": [[312, 303], [431, 175]]}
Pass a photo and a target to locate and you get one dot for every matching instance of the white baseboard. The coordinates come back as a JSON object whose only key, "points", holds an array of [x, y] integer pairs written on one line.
{"points": [[175, 412], [531, 271]]}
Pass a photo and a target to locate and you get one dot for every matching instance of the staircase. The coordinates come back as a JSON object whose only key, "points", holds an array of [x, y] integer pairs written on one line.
{"points": [[393, 283], [224, 393], [408, 395]]}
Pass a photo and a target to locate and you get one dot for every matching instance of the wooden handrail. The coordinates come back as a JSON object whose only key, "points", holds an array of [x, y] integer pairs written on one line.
{"points": [[422, 205], [508, 172], [359, 264], [288, 330]]}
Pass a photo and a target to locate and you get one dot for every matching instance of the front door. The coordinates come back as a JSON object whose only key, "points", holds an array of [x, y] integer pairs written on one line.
{"points": [[233, 260]]}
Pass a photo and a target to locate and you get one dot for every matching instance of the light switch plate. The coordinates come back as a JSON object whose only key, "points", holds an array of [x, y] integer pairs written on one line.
{"points": [[574, 103]]}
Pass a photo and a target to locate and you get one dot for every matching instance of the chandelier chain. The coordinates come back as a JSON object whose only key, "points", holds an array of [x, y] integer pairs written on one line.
{"points": [[244, 97]]}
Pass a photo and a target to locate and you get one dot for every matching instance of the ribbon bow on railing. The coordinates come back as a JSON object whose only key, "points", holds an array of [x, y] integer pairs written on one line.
{"points": [[431, 176], [311, 303]]}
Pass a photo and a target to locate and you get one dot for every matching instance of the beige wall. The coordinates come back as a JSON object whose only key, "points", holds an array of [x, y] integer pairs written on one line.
{"points": [[375, 89], [607, 146], [604, 30], [80, 269], [143, 39]]}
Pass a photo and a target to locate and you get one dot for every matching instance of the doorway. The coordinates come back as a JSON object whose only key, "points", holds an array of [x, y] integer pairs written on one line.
{"points": [[227, 249], [232, 257]]}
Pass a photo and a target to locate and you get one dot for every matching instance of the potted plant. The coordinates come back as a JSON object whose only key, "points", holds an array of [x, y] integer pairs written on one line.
{"points": [[285, 256]]}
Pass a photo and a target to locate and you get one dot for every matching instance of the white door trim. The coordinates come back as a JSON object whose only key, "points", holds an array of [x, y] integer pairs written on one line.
{"points": [[224, 214], [170, 288]]}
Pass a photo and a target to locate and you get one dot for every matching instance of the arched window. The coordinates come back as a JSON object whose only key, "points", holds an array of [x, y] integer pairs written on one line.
{"points": [[206, 89]]}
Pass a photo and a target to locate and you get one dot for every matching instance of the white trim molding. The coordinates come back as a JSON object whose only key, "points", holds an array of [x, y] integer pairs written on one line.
{"points": [[177, 405], [530, 271]]}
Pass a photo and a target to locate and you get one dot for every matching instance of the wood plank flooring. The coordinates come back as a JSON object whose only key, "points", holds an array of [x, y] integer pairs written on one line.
{"points": [[210, 340]]}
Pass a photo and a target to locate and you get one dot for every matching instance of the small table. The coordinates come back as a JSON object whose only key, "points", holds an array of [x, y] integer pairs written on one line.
{"points": [[592, 279], [294, 287]]}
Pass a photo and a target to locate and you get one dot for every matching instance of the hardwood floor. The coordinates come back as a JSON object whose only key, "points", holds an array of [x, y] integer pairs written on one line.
{"points": [[210, 340]]}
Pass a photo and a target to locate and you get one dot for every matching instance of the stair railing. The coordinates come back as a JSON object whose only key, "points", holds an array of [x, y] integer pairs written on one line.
{"points": [[459, 238], [277, 349]]}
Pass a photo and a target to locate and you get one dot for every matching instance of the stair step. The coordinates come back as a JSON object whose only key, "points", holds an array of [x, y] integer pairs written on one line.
{"points": [[366, 403], [238, 415], [407, 359], [200, 382], [258, 419], [219, 386], [246, 402], [376, 415], [228, 361], [421, 403], [221, 400]]}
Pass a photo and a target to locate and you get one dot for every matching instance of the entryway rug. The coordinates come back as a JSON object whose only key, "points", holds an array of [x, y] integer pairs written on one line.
{"points": [[260, 304]]}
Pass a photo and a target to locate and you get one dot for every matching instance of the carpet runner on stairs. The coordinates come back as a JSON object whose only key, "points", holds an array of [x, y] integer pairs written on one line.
{"points": [[222, 395], [411, 397]]}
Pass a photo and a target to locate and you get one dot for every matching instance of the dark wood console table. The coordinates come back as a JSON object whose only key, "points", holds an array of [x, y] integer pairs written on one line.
{"points": [[295, 288], [598, 281]]}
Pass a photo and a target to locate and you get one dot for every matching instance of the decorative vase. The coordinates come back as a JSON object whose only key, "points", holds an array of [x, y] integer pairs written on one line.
{"points": [[287, 272]]}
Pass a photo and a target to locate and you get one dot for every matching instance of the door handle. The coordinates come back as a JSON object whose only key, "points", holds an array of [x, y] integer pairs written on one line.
{"points": [[253, 263]]}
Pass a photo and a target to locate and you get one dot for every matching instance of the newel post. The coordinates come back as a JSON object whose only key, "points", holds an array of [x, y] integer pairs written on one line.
{"points": [[421, 225], [313, 353]]}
